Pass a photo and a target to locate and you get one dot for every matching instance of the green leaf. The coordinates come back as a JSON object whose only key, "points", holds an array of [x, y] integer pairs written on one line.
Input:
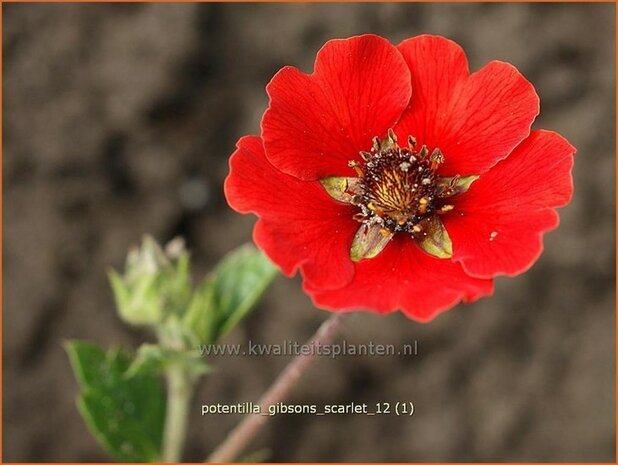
{"points": [[230, 292], [125, 415], [369, 241]]}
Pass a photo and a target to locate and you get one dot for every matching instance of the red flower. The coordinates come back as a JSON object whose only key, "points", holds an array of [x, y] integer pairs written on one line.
{"points": [[392, 178]]}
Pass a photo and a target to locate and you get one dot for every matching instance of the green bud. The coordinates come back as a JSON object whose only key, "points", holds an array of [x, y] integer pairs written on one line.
{"points": [[156, 283]]}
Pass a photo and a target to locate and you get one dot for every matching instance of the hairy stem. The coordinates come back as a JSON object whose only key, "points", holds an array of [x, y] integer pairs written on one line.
{"points": [[179, 391], [240, 436]]}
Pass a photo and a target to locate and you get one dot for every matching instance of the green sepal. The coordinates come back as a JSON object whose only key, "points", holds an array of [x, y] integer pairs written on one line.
{"points": [[456, 184], [369, 241], [342, 188], [201, 318], [434, 238], [138, 304]]}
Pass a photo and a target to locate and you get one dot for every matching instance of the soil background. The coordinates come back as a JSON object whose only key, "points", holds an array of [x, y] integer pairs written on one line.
{"points": [[119, 121]]}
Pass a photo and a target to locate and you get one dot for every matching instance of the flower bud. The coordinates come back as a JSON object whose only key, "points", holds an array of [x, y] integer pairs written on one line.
{"points": [[155, 283]]}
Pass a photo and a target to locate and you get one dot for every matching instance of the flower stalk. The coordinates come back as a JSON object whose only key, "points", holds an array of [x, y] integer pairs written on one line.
{"points": [[180, 387], [240, 436]]}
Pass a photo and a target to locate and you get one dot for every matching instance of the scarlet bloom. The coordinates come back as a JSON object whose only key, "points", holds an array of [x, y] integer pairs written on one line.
{"points": [[394, 179]]}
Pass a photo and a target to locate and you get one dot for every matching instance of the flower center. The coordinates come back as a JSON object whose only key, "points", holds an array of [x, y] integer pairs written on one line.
{"points": [[398, 189], [398, 186]]}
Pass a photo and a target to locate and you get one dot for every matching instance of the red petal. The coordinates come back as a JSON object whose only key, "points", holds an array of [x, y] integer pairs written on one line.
{"points": [[317, 122], [300, 225], [437, 66], [404, 277], [497, 225], [476, 120]]}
